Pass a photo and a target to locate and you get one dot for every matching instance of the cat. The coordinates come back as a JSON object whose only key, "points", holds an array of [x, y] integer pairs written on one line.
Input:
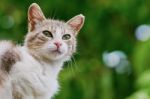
{"points": [[31, 71]]}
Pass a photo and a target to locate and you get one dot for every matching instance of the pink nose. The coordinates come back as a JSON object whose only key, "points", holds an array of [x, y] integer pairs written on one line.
{"points": [[58, 44]]}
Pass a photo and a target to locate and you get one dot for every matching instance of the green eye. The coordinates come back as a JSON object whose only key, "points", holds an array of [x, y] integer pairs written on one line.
{"points": [[47, 33], [66, 37]]}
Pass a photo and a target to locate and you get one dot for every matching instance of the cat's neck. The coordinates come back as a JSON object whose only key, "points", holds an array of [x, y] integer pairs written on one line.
{"points": [[52, 68]]}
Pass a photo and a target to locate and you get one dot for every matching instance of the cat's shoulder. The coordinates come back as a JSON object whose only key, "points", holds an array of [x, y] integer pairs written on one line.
{"points": [[9, 55]]}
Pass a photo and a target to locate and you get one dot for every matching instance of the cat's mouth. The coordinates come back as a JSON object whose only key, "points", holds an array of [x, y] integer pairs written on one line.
{"points": [[57, 51]]}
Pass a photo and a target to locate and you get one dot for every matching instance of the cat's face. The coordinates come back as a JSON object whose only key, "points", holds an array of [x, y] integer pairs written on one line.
{"points": [[51, 39]]}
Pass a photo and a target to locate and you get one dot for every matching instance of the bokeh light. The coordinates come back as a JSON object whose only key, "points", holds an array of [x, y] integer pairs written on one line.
{"points": [[117, 60], [143, 32]]}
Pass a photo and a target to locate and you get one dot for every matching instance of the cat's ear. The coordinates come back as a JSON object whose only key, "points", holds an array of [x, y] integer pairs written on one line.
{"points": [[76, 22], [35, 15]]}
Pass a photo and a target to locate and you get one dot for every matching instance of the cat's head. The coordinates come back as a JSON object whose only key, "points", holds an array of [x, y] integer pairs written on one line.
{"points": [[50, 39]]}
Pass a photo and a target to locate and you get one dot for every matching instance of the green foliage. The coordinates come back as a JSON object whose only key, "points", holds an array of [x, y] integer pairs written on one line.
{"points": [[110, 25]]}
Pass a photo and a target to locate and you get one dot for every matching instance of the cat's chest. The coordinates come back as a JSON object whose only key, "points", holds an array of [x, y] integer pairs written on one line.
{"points": [[41, 83], [34, 79], [31, 77]]}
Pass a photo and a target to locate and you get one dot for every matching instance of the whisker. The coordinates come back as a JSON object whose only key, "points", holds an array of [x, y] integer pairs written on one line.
{"points": [[72, 69], [76, 53], [53, 13], [70, 66], [73, 60]]}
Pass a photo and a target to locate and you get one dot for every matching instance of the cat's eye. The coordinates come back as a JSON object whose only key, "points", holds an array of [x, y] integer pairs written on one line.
{"points": [[47, 33], [66, 37]]}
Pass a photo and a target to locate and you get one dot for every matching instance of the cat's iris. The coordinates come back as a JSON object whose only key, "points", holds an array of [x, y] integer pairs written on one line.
{"points": [[47, 33], [66, 37]]}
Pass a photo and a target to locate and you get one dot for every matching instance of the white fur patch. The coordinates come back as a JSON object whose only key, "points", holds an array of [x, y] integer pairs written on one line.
{"points": [[29, 76]]}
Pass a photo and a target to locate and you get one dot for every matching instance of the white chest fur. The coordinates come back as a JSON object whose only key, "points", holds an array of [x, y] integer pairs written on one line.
{"points": [[34, 80]]}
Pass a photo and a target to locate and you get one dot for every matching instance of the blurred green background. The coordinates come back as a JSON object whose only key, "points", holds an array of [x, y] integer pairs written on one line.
{"points": [[112, 61]]}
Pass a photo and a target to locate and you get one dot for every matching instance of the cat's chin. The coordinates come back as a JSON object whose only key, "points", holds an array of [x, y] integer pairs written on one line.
{"points": [[56, 56]]}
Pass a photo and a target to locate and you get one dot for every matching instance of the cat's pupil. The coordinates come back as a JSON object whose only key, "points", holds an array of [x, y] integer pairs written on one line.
{"points": [[47, 33], [66, 37]]}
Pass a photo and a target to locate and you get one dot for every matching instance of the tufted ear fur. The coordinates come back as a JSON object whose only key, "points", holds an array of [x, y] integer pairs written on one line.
{"points": [[35, 15], [76, 22]]}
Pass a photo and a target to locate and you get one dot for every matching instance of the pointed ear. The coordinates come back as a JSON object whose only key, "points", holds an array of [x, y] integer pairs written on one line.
{"points": [[76, 22], [35, 15]]}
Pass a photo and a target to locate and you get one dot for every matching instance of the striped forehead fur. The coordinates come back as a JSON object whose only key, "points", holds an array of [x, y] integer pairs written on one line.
{"points": [[53, 25]]}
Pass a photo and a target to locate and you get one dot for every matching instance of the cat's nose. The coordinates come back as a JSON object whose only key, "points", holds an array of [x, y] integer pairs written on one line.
{"points": [[58, 44]]}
